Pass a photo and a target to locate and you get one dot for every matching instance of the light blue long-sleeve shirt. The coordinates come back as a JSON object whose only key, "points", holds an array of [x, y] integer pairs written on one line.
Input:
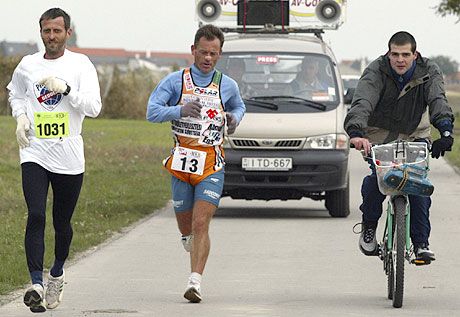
{"points": [[162, 105]]}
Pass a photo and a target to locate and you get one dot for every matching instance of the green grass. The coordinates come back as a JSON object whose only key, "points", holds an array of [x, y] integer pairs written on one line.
{"points": [[453, 157], [453, 98], [124, 181]]}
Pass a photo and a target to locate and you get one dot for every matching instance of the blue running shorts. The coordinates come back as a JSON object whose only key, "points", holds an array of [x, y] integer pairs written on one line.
{"points": [[209, 189]]}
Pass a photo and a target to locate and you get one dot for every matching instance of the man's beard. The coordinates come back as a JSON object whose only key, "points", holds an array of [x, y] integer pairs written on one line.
{"points": [[54, 48]]}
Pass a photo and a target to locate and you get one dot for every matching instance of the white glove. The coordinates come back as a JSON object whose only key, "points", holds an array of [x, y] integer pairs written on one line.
{"points": [[231, 123], [54, 84], [22, 130]]}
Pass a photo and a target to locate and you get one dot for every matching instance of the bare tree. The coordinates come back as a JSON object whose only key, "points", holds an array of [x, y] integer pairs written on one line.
{"points": [[449, 7]]}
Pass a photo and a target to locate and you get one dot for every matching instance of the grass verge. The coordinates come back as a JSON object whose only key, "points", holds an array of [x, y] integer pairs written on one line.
{"points": [[124, 181]]}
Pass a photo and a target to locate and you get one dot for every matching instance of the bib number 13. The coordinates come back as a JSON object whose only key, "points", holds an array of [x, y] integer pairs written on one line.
{"points": [[51, 124], [188, 160]]}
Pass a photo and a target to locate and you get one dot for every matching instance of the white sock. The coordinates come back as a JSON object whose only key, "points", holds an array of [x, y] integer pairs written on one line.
{"points": [[195, 278]]}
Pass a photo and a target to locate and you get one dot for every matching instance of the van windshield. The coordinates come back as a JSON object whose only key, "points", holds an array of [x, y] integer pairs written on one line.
{"points": [[307, 76]]}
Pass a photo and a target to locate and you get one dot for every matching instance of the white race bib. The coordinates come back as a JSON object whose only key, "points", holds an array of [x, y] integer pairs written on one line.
{"points": [[188, 160]]}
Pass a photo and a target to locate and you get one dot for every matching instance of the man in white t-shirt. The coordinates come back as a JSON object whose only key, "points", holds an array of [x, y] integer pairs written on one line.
{"points": [[50, 94]]}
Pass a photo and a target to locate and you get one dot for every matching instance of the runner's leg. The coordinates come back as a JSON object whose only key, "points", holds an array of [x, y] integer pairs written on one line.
{"points": [[66, 190], [35, 185]]}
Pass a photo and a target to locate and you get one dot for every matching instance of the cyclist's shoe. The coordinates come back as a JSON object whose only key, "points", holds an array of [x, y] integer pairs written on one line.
{"points": [[423, 254], [193, 291], [33, 298], [367, 241], [54, 291], [187, 242]]}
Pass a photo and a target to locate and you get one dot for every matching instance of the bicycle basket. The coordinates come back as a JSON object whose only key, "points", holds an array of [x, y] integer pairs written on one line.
{"points": [[402, 168]]}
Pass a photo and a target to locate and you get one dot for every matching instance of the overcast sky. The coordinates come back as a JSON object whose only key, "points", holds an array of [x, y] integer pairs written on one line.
{"points": [[169, 25]]}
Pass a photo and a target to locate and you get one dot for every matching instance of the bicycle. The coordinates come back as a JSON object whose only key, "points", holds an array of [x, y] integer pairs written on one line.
{"points": [[402, 169]]}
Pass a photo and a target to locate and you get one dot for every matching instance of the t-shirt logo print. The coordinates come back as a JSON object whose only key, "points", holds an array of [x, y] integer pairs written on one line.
{"points": [[48, 99]]}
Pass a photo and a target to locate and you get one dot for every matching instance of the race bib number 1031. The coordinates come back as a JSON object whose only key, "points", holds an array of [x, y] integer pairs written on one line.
{"points": [[51, 124]]}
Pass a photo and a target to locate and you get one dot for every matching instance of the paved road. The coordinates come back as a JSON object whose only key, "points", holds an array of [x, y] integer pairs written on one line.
{"points": [[267, 259]]}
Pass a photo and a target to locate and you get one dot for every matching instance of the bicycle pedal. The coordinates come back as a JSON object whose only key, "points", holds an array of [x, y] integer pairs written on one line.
{"points": [[420, 262]]}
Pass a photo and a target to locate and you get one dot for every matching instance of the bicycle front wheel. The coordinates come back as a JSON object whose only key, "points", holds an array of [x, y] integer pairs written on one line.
{"points": [[399, 249], [388, 258]]}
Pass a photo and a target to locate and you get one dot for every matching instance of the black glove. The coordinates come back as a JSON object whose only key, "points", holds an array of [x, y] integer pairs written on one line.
{"points": [[441, 145], [191, 109], [231, 123]]}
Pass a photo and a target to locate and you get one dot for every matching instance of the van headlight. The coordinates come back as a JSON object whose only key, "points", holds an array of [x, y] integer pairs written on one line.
{"points": [[327, 141]]}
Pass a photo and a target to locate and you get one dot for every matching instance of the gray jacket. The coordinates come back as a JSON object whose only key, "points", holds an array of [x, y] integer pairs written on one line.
{"points": [[383, 113]]}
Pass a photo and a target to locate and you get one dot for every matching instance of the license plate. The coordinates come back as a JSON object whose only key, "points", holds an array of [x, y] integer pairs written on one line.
{"points": [[266, 163]]}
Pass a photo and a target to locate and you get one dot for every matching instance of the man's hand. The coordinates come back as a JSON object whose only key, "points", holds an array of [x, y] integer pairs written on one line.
{"points": [[54, 84], [440, 146], [362, 144], [191, 109], [231, 123], [22, 130]]}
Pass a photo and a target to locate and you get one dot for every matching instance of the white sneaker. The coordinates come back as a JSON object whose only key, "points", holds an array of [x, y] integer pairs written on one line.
{"points": [[187, 242], [193, 291], [54, 290], [33, 298]]}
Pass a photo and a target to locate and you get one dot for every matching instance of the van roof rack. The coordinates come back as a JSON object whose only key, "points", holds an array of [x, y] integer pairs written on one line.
{"points": [[270, 29]]}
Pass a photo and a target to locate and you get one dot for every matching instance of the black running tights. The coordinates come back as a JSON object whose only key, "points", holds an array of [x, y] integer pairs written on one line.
{"points": [[66, 189]]}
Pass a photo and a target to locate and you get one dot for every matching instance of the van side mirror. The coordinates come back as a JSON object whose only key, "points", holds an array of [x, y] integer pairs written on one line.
{"points": [[348, 97]]}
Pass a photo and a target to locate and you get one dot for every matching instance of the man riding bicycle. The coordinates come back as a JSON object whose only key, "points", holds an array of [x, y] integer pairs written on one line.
{"points": [[397, 98]]}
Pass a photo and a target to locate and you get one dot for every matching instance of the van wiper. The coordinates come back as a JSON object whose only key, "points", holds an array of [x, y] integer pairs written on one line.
{"points": [[296, 100], [262, 104]]}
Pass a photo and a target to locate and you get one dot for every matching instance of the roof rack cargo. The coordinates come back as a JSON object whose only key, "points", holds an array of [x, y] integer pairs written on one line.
{"points": [[272, 16]]}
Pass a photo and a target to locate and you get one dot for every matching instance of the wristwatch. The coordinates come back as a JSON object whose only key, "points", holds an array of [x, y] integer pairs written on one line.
{"points": [[446, 134], [66, 92]]}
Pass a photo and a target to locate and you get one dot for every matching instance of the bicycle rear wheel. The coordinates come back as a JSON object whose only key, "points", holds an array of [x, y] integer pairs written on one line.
{"points": [[399, 248]]}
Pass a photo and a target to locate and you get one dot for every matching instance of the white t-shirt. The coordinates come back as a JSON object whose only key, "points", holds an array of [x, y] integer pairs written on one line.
{"points": [[62, 154]]}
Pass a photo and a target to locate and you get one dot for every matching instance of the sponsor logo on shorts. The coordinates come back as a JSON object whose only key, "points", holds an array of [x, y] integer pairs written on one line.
{"points": [[177, 203], [211, 194]]}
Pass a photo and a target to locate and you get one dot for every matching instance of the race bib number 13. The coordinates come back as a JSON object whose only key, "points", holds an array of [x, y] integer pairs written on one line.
{"points": [[188, 160], [51, 124]]}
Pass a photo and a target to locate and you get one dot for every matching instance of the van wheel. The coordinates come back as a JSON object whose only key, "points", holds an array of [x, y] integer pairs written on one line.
{"points": [[338, 202]]}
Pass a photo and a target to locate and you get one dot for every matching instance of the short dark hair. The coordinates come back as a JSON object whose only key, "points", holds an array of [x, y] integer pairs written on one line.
{"points": [[402, 38], [54, 13], [209, 32]]}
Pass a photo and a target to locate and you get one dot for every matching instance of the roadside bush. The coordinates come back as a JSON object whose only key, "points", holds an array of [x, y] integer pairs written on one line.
{"points": [[128, 93], [7, 66]]}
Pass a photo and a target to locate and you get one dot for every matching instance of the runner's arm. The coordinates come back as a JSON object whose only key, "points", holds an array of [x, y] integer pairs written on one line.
{"points": [[162, 105], [87, 96]]}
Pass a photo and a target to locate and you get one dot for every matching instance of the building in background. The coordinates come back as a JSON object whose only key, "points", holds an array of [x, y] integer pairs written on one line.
{"points": [[17, 48]]}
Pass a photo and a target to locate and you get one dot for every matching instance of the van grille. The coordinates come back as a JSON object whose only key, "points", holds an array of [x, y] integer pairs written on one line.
{"points": [[267, 143], [288, 143], [245, 143]]}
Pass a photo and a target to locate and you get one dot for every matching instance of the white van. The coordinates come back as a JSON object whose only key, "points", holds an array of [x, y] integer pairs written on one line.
{"points": [[291, 142]]}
